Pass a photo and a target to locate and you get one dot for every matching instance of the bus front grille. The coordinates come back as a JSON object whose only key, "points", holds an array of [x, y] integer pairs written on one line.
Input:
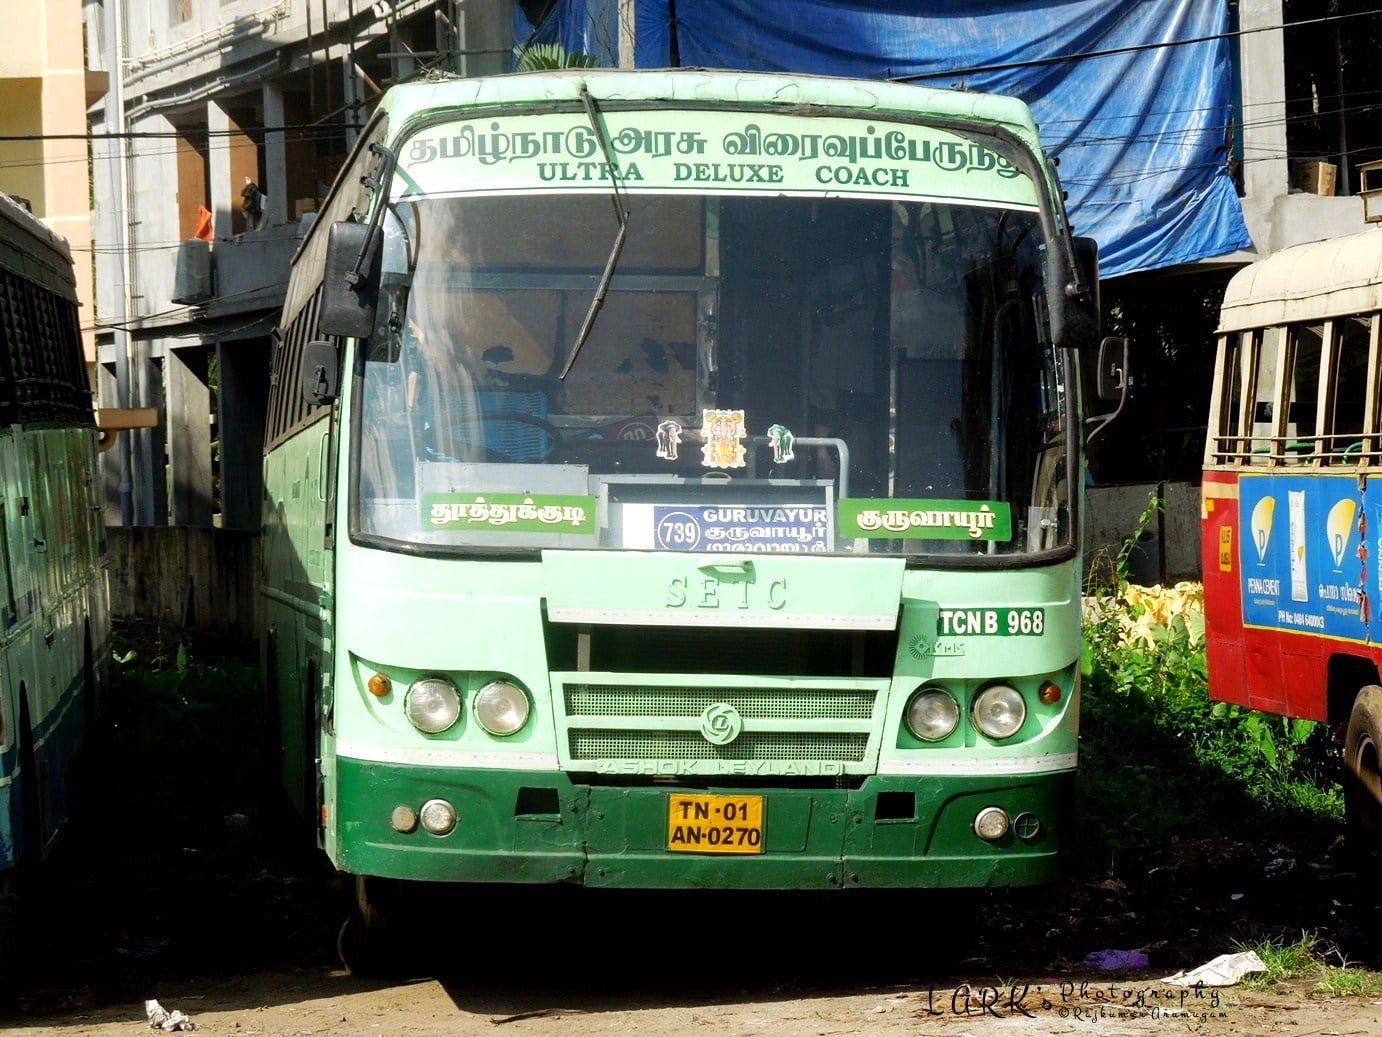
{"points": [[619, 724], [797, 703], [845, 747]]}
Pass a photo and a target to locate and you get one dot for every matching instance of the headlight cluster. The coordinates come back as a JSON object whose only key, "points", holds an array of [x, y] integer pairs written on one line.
{"points": [[501, 708], [999, 711], [433, 705], [933, 713]]}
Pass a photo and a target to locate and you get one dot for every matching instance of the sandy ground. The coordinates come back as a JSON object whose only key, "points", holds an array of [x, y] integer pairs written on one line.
{"points": [[329, 1003], [169, 891]]}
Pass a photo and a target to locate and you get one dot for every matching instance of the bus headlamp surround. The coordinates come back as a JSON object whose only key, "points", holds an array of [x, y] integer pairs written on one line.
{"points": [[932, 714], [999, 711], [501, 708], [432, 705]]}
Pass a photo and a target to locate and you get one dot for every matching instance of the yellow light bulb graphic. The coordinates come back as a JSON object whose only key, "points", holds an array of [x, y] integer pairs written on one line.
{"points": [[1338, 526], [1262, 525]]}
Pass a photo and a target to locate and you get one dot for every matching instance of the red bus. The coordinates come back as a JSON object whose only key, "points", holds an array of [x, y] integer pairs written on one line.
{"points": [[1292, 501]]}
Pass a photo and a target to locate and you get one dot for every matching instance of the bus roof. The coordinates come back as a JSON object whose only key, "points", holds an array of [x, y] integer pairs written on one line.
{"points": [[33, 251], [718, 86], [1322, 279]]}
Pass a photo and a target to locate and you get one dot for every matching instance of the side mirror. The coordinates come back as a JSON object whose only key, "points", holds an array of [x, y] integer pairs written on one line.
{"points": [[1073, 294], [320, 373], [1111, 379], [1087, 257], [350, 280]]}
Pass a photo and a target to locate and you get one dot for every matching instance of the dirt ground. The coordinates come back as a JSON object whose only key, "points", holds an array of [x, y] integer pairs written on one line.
{"points": [[188, 890], [329, 1003], [241, 939]]}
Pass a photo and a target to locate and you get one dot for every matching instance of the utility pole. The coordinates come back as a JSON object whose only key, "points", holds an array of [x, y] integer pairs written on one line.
{"points": [[116, 154]]}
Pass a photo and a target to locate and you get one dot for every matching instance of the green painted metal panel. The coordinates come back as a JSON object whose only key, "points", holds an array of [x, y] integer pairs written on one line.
{"points": [[616, 837], [722, 590]]}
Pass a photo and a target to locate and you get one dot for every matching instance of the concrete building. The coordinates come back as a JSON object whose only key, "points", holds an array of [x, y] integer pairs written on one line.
{"points": [[207, 97], [1301, 90], [44, 93], [212, 94]]}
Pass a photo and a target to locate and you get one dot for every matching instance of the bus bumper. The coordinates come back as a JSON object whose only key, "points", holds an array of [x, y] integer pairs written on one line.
{"points": [[540, 827]]}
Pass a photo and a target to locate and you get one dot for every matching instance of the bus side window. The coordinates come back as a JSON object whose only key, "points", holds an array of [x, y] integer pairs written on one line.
{"points": [[1302, 410], [1227, 444], [1348, 388], [1264, 393]]}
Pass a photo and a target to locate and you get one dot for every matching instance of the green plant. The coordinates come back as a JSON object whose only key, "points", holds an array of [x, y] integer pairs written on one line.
{"points": [[1304, 956], [1158, 760], [540, 57], [1347, 981], [186, 732]]}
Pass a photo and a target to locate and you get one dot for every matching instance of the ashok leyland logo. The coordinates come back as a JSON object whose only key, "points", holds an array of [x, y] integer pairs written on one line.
{"points": [[721, 724]]}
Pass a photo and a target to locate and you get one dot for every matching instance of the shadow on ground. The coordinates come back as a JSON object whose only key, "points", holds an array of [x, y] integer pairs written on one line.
{"points": [[183, 868]]}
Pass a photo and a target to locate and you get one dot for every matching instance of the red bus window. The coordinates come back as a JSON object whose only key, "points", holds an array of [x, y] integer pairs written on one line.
{"points": [[1303, 408], [1262, 445], [1349, 389]]}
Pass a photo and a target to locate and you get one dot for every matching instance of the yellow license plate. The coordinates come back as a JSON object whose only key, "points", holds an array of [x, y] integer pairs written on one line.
{"points": [[715, 824]]}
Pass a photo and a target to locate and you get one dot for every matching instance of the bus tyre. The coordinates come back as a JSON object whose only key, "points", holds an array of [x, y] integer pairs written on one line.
{"points": [[362, 943], [1362, 771]]}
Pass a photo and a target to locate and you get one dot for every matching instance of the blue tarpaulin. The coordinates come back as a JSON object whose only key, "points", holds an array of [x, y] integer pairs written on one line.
{"points": [[1141, 133]]}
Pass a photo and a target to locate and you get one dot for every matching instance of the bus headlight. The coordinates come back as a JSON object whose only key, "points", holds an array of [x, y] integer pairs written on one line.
{"points": [[999, 711], [932, 714], [437, 816], [432, 705], [501, 708]]}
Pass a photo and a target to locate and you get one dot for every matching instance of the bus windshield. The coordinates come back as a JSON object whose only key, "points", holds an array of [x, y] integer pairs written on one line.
{"points": [[767, 373]]}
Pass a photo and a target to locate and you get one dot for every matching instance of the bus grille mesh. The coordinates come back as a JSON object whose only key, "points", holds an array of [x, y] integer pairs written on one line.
{"points": [[585, 700], [608, 722], [847, 747]]}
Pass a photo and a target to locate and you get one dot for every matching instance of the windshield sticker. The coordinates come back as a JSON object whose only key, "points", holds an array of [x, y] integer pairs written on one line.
{"points": [[780, 438], [722, 439], [926, 519], [510, 512], [789, 529], [668, 439], [669, 149]]}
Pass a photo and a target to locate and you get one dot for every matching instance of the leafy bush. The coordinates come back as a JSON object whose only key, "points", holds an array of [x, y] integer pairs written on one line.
{"points": [[1159, 761], [188, 735]]}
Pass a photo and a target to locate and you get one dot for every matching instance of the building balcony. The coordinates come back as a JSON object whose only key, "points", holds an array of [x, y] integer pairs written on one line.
{"points": [[240, 274]]}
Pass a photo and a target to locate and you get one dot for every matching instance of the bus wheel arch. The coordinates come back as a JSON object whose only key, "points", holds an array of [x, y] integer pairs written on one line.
{"points": [[1363, 770], [1346, 676]]}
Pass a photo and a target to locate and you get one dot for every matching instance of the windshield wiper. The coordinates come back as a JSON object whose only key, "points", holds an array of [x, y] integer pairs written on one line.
{"points": [[621, 212]]}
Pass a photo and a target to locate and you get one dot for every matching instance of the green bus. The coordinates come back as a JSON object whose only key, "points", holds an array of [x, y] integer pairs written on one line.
{"points": [[672, 481], [54, 597]]}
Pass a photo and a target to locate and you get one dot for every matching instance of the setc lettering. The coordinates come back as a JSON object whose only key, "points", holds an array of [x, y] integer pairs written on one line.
{"points": [[739, 594]]}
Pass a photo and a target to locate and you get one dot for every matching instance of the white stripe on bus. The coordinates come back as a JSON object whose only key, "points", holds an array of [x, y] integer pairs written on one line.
{"points": [[449, 758], [969, 767]]}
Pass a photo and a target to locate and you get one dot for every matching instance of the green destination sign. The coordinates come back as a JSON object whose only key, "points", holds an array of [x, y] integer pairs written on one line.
{"points": [[926, 519], [509, 512], [695, 150]]}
